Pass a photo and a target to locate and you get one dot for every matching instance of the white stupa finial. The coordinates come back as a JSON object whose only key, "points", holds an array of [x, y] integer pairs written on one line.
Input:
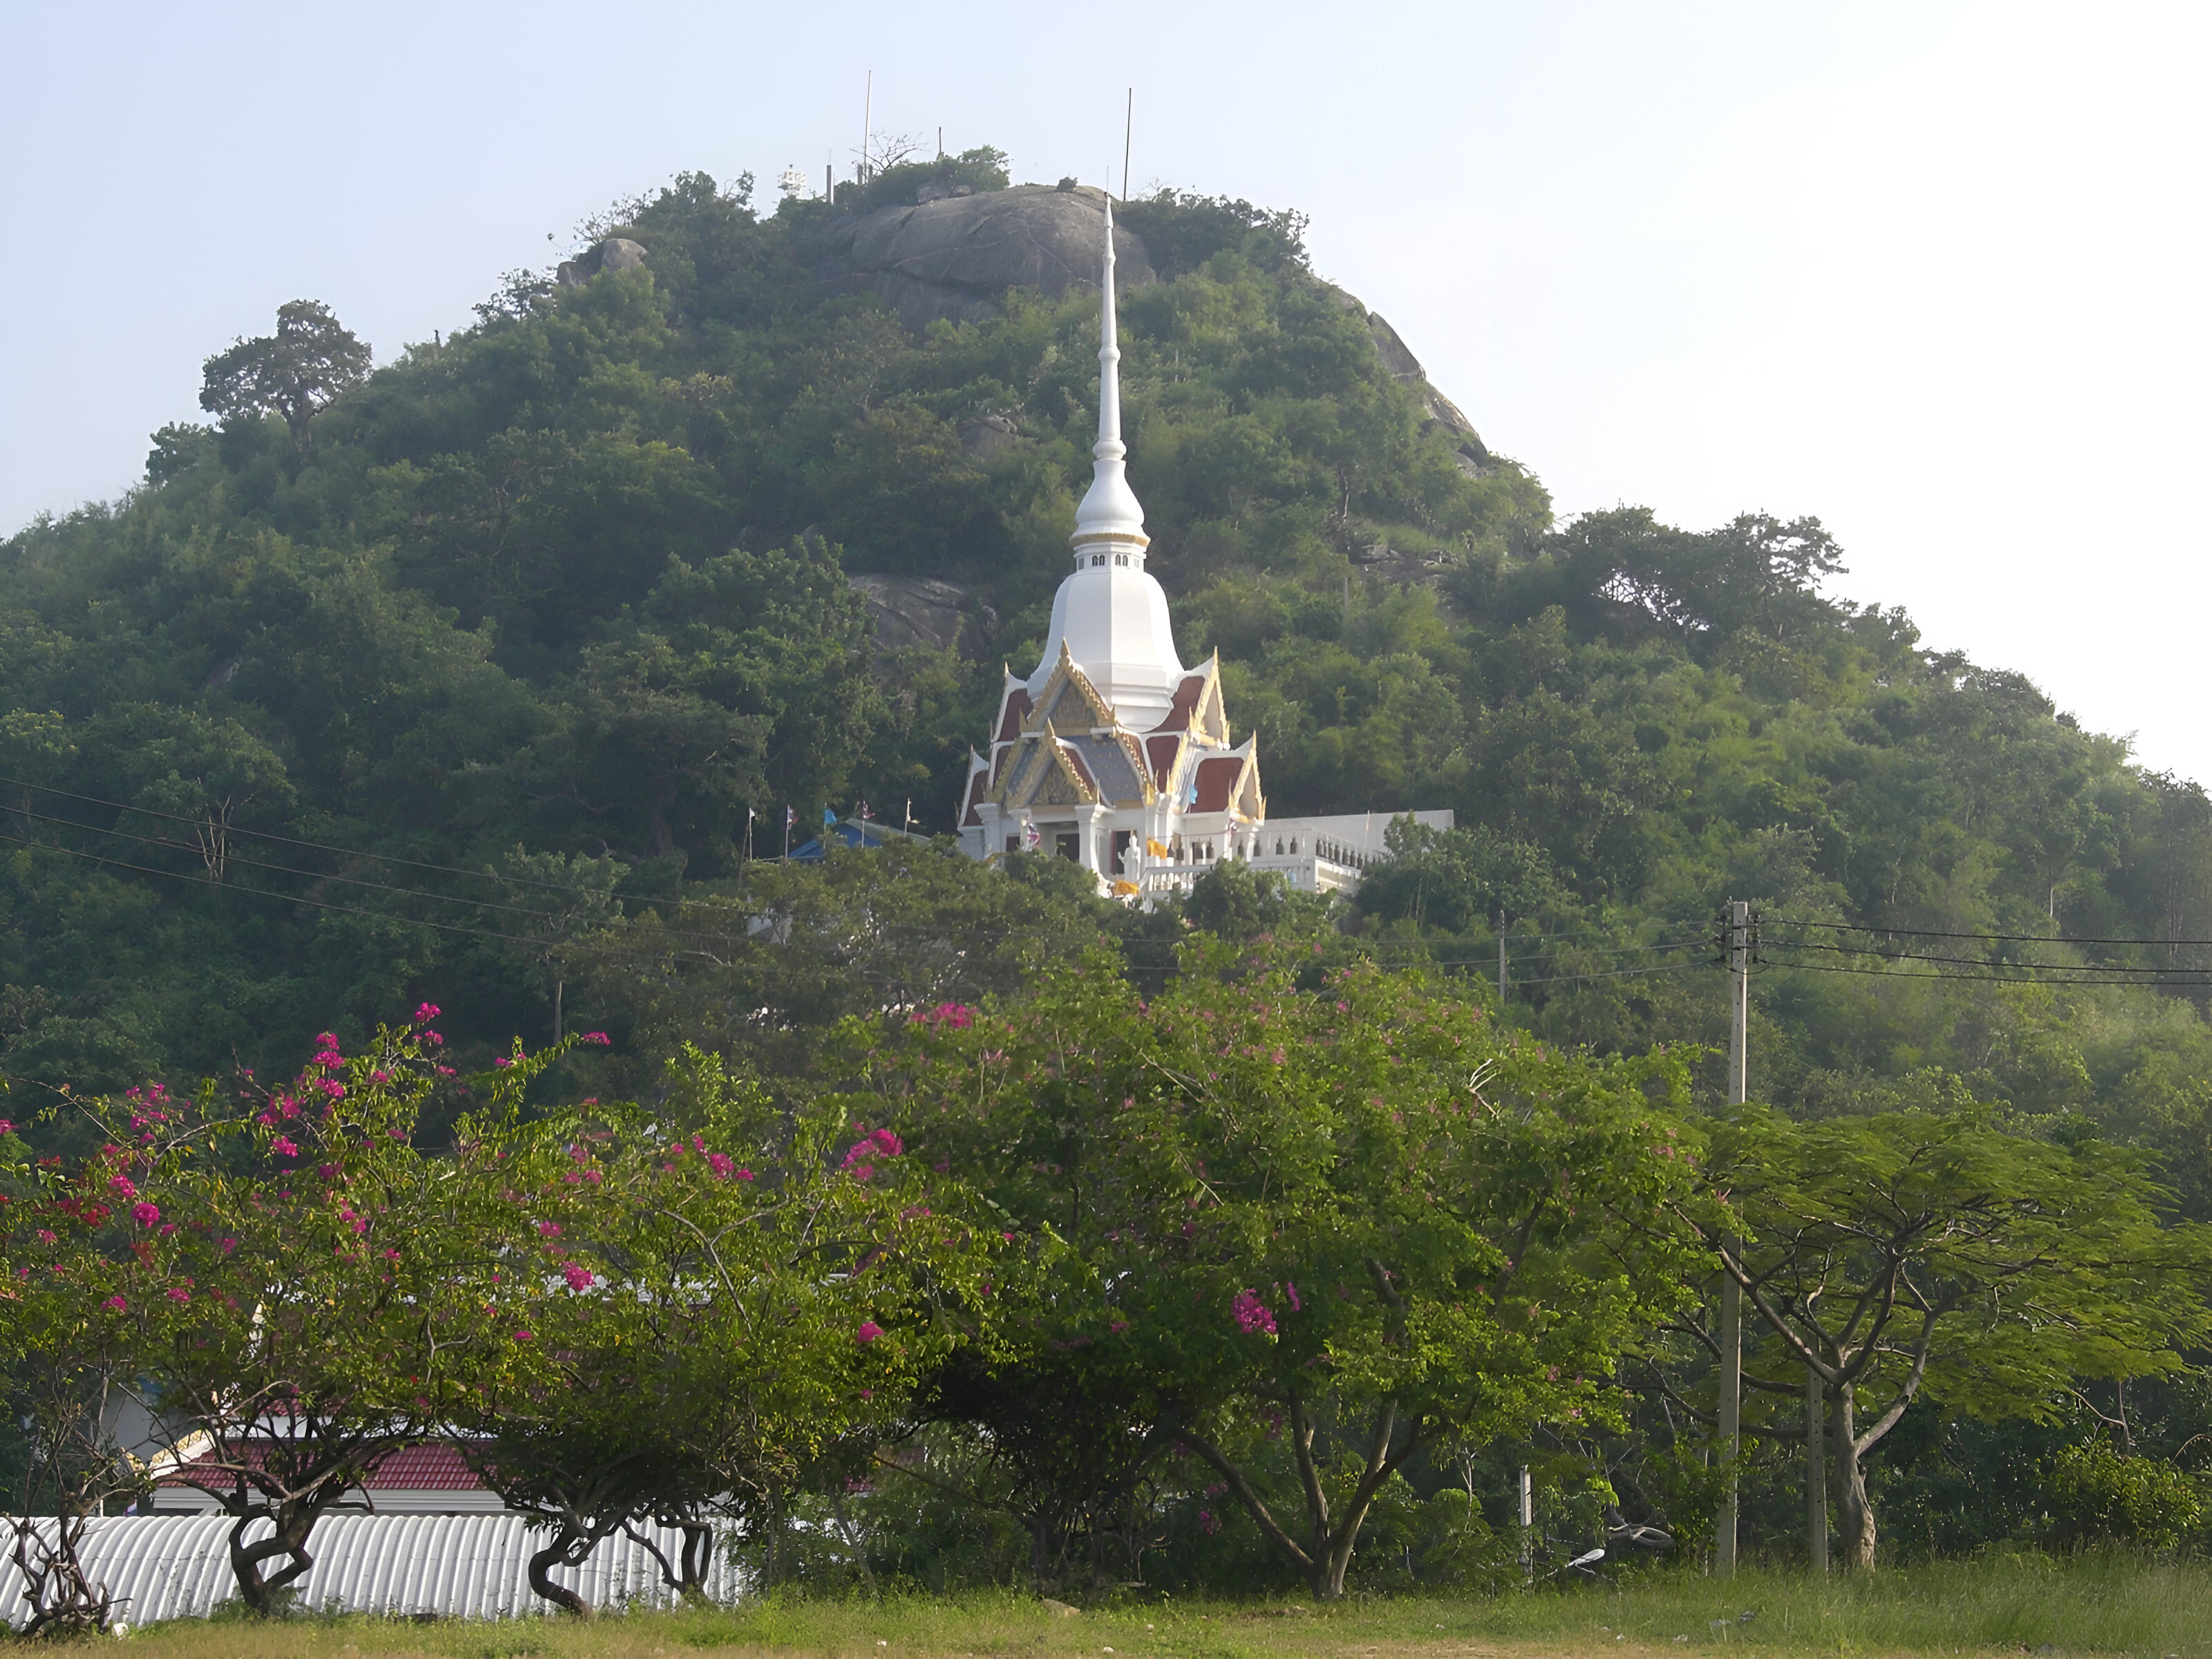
{"points": [[1110, 513]]}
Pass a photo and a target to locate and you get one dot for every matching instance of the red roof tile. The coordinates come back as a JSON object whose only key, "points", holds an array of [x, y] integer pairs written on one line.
{"points": [[437, 1467]]}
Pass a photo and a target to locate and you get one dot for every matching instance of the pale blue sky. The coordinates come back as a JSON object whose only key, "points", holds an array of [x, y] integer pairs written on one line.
{"points": [[1936, 272]]}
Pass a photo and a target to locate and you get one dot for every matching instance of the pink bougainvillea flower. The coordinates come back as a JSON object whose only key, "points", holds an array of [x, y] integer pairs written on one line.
{"points": [[121, 1185], [1252, 1315], [6, 1127], [887, 1143], [46, 1238], [721, 1165], [503, 1061], [178, 1293], [283, 1147], [145, 1214], [599, 1038], [426, 1013], [579, 1278], [524, 1336], [117, 1304], [548, 1228], [869, 1331], [1291, 1291]]}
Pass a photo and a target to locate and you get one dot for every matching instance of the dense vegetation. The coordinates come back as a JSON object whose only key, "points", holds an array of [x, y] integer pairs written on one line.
{"points": [[464, 680]]}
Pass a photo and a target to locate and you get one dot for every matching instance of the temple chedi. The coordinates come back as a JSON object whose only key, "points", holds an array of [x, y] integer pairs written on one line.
{"points": [[1114, 755]]}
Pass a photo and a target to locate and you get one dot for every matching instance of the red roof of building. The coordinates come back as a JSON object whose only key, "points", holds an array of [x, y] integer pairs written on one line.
{"points": [[1162, 752], [1216, 779], [435, 1467], [1017, 710], [1180, 713]]}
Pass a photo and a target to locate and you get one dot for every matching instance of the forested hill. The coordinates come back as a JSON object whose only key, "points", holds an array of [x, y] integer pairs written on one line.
{"points": [[561, 597]]}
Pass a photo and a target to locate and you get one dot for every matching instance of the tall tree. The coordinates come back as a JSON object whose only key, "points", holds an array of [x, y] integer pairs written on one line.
{"points": [[1939, 1251], [309, 360]]}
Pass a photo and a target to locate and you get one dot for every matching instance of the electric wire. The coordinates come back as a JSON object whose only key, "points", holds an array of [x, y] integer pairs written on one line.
{"points": [[1931, 932]]}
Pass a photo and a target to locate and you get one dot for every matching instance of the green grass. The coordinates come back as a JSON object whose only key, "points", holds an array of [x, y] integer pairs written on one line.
{"points": [[2144, 1609]]}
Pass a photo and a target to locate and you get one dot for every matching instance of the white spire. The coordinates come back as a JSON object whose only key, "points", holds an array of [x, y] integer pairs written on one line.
{"points": [[1110, 513]]}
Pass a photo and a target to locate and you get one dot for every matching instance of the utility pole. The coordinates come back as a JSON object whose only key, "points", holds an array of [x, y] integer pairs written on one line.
{"points": [[1527, 1524], [1816, 1470], [1501, 959], [1731, 1332], [867, 125]]}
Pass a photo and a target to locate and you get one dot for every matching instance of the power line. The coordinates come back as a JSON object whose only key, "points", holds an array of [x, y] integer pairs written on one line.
{"points": [[288, 870], [294, 840], [2020, 939], [285, 898], [2002, 979], [1983, 961]]}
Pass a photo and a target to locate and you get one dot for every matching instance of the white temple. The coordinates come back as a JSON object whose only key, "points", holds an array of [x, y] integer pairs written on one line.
{"points": [[1114, 755]]}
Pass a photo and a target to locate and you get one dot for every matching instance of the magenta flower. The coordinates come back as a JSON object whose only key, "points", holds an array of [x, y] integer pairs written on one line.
{"points": [[599, 1038], [426, 1013], [579, 1277], [145, 1214], [745, 1175], [503, 1062], [1291, 1291], [178, 1293], [117, 1304], [721, 1165], [283, 1147], [887, 1143], [548, 1228], [869, 1331], [122, 1186], [524, 1336], [6, 1127], [1252, 1315], [46, 1238]]}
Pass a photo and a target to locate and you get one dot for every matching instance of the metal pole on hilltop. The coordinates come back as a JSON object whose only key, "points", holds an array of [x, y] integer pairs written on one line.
{"points": [[867, 123], [1501, 959], [1731, 1331], [1128, 126]]}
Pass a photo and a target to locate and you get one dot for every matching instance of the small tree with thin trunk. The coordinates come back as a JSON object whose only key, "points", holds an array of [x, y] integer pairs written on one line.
{"points": [[348, 1292], [1941, 1252], [86, 1288], [729, 1290]]}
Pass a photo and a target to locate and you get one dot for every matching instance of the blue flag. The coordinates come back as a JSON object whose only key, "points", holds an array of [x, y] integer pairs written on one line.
{"points": [[829, 819]]}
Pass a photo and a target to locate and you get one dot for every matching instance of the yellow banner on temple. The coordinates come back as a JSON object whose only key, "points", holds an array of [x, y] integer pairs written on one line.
{"points": [[1156, 849], [1125, 890]]}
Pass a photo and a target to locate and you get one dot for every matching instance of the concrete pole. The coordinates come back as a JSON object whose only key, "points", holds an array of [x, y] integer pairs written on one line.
{"points": [[1731, 1331], [1528, 1522], [1816, 1470]]}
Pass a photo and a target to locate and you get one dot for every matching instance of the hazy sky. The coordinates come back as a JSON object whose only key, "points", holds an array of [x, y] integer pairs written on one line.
{"points": [[1936, 273]]}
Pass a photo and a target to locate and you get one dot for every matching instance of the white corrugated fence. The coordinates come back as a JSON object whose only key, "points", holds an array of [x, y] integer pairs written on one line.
{"points": [[458, 1566]]}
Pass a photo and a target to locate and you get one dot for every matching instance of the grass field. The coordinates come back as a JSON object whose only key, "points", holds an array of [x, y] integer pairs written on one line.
{"points": [[2002, 1605]]}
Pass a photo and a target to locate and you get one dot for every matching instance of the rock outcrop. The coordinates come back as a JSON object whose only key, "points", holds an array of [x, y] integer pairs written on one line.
{"points": [[921, 610], [616, 253], [956, 256]]}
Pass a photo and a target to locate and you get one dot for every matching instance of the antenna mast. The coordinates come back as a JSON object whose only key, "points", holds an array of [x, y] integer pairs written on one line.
{"points": [[1128, 125], [868, 123]]}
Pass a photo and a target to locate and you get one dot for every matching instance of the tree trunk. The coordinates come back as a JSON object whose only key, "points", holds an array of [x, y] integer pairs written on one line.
{"points": [[1854, 1513], [698, 1555], [555, 1554], [263, 1593]]}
